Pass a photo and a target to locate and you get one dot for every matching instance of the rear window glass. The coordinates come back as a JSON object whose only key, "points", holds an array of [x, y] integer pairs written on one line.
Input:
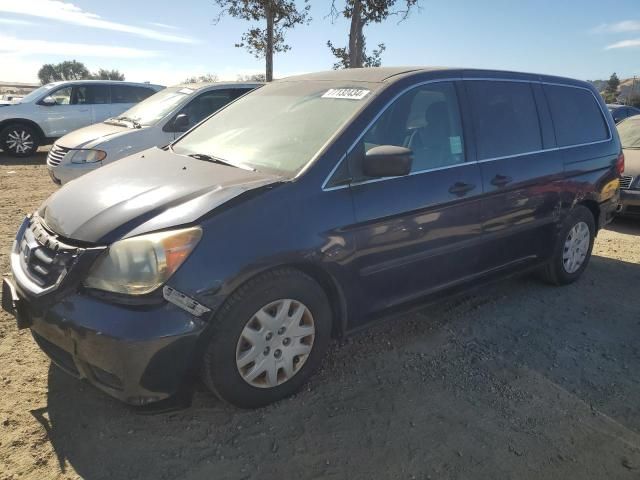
{"points": [[577, 118], [505, 118]]}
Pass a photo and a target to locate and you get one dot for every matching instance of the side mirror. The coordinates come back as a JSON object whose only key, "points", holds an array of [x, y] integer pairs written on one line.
{"points": [[181, 123], [387, 161], [48, 101]]}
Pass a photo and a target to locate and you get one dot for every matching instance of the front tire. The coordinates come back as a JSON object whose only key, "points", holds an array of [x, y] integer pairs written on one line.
{"points": [[19, 140], [573, 249], [268, 339]]}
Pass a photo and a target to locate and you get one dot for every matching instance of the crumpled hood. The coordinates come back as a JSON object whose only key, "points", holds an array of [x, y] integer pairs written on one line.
{"points": [[93, 135], [144, 192], [631, 162]]}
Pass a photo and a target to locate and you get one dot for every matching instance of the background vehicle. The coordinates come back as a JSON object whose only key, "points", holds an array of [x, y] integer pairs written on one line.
{"points": [[309, 207], [56, 109], [156, 121], [620, 112], [629, 131]]}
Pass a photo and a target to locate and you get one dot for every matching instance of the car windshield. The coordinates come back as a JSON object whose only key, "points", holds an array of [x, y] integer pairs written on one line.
{"points": [[37, 93], [629, 131], [157, 106], [279, 127]]}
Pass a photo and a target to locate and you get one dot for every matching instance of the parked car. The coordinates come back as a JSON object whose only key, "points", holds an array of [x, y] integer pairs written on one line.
{"points": [[156, 121], [306, 209], [629, 131], [620, 112], [56, 109]]}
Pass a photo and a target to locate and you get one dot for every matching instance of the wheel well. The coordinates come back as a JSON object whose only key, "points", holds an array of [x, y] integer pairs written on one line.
{"points": [[331, 289], [594, 208], [24, 121]]}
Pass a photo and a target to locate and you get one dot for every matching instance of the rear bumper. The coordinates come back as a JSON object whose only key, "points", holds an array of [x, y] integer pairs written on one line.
{"points": [[629, 203], [138, 354]]}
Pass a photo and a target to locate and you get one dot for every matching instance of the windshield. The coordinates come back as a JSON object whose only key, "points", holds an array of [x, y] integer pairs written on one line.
{"points": [[280, 126], [37, 93], [157, 106], [629, 131]]}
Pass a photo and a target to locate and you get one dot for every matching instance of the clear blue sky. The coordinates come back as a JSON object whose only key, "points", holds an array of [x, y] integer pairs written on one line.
{"points": [[166, 41]]}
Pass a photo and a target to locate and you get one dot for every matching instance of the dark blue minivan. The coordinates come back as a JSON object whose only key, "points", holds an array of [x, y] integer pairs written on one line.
{"points": [[304, 210]]}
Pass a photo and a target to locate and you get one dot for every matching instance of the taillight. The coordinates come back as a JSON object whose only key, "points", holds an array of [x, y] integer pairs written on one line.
{"points": [[620, 163]]}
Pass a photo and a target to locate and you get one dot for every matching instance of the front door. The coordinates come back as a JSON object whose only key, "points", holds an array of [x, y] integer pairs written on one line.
{"points": [[67, 115], [418, 233]]}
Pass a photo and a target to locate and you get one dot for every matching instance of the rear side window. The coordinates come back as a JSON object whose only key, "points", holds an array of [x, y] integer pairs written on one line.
{"points": [[129, 93], [92, 94], [505, 118], [577, 117]]}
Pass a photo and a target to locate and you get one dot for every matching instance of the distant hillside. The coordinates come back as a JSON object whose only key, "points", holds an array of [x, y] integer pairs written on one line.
{"points": [[626, 86]]}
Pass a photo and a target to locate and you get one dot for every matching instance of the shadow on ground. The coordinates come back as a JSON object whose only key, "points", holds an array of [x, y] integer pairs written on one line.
{"points": [[519, 380], [627, 225], [39, 158]]}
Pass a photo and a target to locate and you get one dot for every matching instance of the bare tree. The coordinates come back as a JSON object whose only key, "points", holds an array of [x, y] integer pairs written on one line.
{"points": [[207, 77], [360, 13], [277, 15]]}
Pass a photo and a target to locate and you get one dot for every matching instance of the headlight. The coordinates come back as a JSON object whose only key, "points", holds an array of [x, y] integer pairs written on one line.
{"points": [[88, 156], [139, 265]]}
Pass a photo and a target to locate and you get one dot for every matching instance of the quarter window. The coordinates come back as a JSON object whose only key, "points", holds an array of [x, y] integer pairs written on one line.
{"points": [[505, 118], [577, 117], [425, 120]]}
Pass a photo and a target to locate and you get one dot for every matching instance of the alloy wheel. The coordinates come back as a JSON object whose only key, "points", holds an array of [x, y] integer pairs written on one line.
{"points": [[20, 141]]}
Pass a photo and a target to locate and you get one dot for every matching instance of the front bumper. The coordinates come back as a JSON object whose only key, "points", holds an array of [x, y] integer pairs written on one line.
{"points": [[65, 172], [629, 203], [138, 354]]}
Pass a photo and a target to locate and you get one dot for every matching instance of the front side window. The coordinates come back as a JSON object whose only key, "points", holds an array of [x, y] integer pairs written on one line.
{"points": [[425, 120], [577, 117], [279, 127], [206, 104], [505, 118], [63, 96]]}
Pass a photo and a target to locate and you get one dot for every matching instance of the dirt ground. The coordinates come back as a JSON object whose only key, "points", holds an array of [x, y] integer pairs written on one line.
{"points": [[518, 380]]}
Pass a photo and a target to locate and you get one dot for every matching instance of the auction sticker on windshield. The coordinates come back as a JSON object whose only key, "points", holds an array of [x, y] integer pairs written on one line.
{"points": [[346, 93]]}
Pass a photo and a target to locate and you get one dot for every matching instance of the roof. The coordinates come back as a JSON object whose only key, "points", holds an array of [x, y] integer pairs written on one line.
{"points": [[391, 74], [111, 82], [377, 74], [202, 85]]}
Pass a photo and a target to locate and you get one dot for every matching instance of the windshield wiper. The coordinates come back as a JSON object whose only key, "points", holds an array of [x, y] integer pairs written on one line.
{"points": [[133, 122], [221, 161]]}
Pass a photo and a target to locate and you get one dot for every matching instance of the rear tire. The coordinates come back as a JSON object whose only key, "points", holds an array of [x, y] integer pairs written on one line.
{"points": [[279, 324], [19, 140], [573, 249]]}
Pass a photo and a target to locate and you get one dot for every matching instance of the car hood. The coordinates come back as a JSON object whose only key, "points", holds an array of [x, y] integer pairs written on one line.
{"points": [[93, 135], [631, 162], [148, 191]]}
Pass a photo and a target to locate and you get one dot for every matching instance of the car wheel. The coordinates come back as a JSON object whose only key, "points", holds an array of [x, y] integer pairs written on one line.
{"points": [[19, 140], [573, 249], [268, 338]]}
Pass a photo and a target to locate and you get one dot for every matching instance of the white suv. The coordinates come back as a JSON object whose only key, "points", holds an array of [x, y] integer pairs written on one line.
{"points": [[56, 109]]}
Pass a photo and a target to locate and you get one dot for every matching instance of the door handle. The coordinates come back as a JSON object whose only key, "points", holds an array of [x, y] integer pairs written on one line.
{"points": [[501, 180], [460, 188]]}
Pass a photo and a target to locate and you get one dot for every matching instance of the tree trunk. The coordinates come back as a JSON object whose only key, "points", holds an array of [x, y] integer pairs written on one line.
{"points": [[355, 36], [269, 52]]}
